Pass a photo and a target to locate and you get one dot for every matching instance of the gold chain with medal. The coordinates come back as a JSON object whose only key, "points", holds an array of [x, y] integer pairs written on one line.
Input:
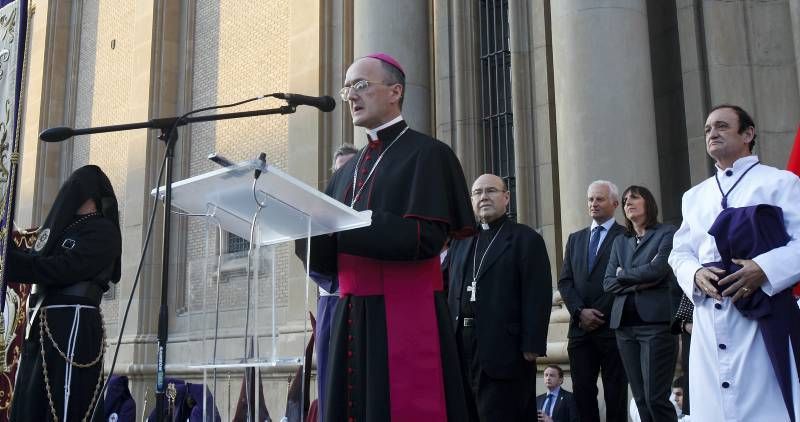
{"points": [[357, 195]]}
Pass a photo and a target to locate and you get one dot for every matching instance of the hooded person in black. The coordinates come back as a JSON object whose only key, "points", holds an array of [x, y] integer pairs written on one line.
{"points": [[75, 257]]}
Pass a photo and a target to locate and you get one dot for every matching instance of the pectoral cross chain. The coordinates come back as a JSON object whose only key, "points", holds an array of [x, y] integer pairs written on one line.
{"points": [[476, 266], [471, 289]]}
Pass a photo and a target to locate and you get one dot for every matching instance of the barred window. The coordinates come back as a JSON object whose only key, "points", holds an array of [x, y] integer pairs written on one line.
{"points": [[236, 243], [497, 121]]}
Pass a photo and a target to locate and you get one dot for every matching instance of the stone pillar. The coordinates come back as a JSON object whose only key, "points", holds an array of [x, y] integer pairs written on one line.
{"points": [[44, 106], [534, 146], [794, 13], [465, 103], [335, 55], [524, 73], [305, 140], [153, 90], [399, 28], [756, 68], [695, 86], [605, 116]]}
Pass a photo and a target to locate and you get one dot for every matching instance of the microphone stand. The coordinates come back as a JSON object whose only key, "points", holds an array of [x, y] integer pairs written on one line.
{"points": [[169, 135]]}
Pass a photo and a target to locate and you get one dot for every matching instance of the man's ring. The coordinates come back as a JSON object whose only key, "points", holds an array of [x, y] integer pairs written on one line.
{"points": [[746, 289]]}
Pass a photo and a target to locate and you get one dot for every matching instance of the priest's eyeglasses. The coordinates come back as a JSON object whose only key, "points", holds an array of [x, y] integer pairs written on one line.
{"points": [[358, 87], [477, 193]]}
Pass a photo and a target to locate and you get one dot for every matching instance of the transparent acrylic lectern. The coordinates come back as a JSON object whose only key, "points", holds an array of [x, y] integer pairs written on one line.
{"points": [[234, 300]]}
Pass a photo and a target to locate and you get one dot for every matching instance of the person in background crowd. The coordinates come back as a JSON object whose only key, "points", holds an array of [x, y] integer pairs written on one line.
{"points": [[682, 327], [500, 299], [557, 404], [678, 397], [646, 298], [592, 345]]}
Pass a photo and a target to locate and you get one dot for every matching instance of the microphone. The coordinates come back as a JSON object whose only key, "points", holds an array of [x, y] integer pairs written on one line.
{"points": [[324, 103], [56, 134], [263, 158], [222, 161]]}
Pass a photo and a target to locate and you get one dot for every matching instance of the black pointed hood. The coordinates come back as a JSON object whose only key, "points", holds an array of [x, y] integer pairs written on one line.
{"points": [[87, 182]]}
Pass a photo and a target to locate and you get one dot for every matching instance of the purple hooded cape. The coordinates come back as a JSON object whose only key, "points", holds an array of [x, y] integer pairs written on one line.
{"points": [[119, 400], [189, 403], [745, 233]]}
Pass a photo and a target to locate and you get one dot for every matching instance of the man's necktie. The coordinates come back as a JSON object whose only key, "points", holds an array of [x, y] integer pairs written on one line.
{"points": [[547, 409], [594, 242]]}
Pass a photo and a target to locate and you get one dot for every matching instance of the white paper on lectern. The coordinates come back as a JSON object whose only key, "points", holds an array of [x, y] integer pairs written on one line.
{"points": [[288, 202]]}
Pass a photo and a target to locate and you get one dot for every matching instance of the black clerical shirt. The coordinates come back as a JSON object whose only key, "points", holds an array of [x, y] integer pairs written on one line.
{"points": [[481, 241]]}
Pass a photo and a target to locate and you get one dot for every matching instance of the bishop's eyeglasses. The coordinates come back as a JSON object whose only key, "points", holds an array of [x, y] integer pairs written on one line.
{"points": [[477, 193], [358, 87]]}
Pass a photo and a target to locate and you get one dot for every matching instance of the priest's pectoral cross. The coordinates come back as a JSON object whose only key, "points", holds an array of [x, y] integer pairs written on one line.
{"points": [[471, 288]]}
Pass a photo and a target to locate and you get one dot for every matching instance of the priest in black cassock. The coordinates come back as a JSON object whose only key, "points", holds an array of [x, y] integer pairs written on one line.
{"points": [[500, 298], [393, 353]]}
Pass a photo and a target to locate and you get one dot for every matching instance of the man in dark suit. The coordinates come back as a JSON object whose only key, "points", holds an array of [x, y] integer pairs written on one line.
{"points": [[500, 298], [592, 347], [558, 404]]}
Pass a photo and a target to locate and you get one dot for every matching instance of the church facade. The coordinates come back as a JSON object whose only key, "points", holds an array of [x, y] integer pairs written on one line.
{"points": [[548, 94]]}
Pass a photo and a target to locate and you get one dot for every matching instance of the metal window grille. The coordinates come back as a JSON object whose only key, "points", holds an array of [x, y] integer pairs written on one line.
{"points": [[237, 244], [496, 117]]}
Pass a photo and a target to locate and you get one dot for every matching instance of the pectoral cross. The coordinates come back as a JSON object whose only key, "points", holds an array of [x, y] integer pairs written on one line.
{"points": [[172, 393], [471, 288]]}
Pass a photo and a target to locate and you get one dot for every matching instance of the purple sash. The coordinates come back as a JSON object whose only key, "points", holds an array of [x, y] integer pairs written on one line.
{"points": [[744, 233]]}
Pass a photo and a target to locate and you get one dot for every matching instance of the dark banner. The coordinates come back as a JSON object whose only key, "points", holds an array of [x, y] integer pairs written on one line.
{"points": [[13, 297]]}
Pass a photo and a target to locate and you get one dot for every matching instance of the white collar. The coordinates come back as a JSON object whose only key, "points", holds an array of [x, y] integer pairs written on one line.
{"points": [[554, 391], [606, 225], [738, 167], [373, 133]]}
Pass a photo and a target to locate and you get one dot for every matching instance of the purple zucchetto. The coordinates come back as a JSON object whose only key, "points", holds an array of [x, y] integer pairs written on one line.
{"points": [[388, 59]]}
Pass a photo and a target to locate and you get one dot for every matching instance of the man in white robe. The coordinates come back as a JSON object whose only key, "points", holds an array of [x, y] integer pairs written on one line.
{"points": [[731, 375]]}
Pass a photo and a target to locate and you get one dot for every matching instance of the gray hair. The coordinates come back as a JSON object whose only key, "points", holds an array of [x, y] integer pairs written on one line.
{"points": [[345, 149], [613, 191], [395, 76]]}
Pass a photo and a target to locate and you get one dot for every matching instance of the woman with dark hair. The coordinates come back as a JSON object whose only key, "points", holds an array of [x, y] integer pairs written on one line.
{"points": [[646, 296], [76, 256]]}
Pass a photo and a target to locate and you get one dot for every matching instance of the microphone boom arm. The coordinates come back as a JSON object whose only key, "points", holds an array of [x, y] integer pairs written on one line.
{"points": [[169, 137], [57, 134]]}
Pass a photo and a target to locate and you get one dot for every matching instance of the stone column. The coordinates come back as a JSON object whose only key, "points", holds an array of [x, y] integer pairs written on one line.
{"points": [[304, 142], [534, 146], [465, 104], [605, 116], [399, 28], [695, 86], [153, 90], [794, 13], [756, 68], [44, 106]]}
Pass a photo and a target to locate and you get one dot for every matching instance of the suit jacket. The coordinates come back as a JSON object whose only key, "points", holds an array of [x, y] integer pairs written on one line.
{"points": [[565, 410], [643, 265], [582, 287], [513, 298]]}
